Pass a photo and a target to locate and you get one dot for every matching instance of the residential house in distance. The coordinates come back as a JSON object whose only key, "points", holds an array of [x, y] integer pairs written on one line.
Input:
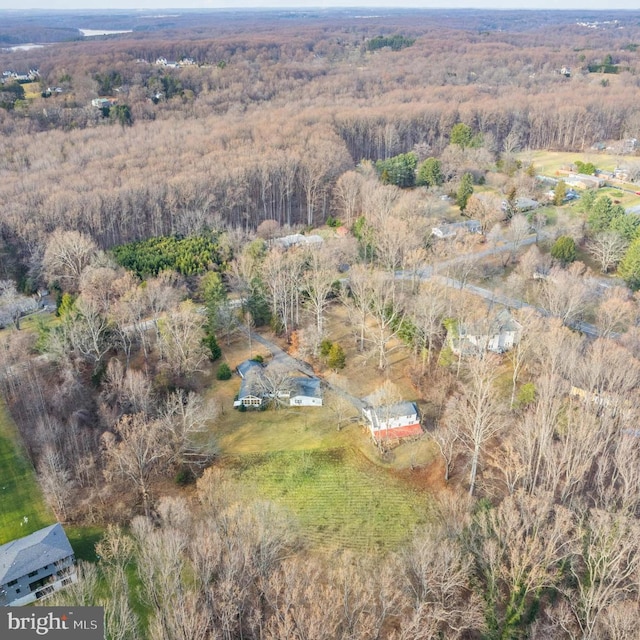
{"points": [[583, 181], [522, 205], [452, 229], [498, 333], [103, 103], [297, 239], [390, 422], [35, 566], [163, 62]]}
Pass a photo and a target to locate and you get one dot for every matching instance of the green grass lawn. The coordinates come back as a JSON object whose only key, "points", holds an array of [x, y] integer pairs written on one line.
{"points": [[22, 506], [286, 429], [548, 162], [340, 499], [83, 541]]}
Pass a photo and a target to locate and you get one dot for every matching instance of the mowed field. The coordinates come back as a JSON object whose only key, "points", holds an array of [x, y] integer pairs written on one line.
{"points": [[556, 163], [548, 162], [340, 499], [22, 506]]}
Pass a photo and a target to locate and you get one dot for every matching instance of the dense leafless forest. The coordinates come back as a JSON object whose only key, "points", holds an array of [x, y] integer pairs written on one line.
{"points": [[225, 131]]}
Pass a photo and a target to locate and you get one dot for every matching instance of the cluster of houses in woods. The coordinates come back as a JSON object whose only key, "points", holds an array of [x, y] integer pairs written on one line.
{"points": [[256, 392], [30, 76], [386, 420], [103, 103], [43, 562], [175, 64], [33, 567]]}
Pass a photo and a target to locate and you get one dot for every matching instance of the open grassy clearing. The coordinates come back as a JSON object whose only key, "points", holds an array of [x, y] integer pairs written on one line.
{"points": [[22, 506], [298, 428], [340, 499], [618, 196], [548, 162], [31, 90], [84, 540], [285, 429], [41, 319], [333, 482]]}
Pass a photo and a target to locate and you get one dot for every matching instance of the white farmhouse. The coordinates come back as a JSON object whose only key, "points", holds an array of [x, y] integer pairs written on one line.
{"points": [[399, 420]]}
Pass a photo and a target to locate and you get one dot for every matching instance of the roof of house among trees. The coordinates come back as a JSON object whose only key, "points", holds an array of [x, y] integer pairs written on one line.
{"points": [[309, 387], [24, 555]]}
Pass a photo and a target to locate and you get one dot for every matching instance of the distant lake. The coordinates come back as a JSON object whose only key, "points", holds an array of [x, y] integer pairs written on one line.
{"points": [[23, 47], [88, 33]]}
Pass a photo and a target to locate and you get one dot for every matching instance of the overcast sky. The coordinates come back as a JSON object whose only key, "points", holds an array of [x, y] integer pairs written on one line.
{"points": [[213, 4]]}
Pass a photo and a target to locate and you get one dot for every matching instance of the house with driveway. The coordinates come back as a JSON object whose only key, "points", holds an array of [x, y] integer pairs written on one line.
{"points": [[33, 567], [296, 391], [305, 392]]}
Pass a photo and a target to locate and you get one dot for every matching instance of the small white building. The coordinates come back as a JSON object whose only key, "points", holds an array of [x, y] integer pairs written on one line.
{"points": [[296, 391], [297, 239], [386, 422], [583, 181], [103, 103], [451, 230], [305, 392]]}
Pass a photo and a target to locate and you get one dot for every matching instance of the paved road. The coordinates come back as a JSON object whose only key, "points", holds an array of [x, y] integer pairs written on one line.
{"points": [[428, 271], [432, 271], [514, 303]]}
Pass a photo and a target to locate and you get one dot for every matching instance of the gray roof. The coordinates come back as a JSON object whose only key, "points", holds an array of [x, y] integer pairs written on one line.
{"points": [[309, 387], [245, 366], [24, 555], [397, 410], [500, 323], [297, 239]]}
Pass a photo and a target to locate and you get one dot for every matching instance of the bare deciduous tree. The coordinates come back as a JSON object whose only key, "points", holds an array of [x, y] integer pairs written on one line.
{"points": [[427, 310], [55, 479], [616, 313], [135, 452], [437, 578], [320, 272], [519, 548], [181, 334], [347, 195], [565, 294], [448, 438], [66, 255], [477, 410], [185, 417], [605, 565], [608, 248]]}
